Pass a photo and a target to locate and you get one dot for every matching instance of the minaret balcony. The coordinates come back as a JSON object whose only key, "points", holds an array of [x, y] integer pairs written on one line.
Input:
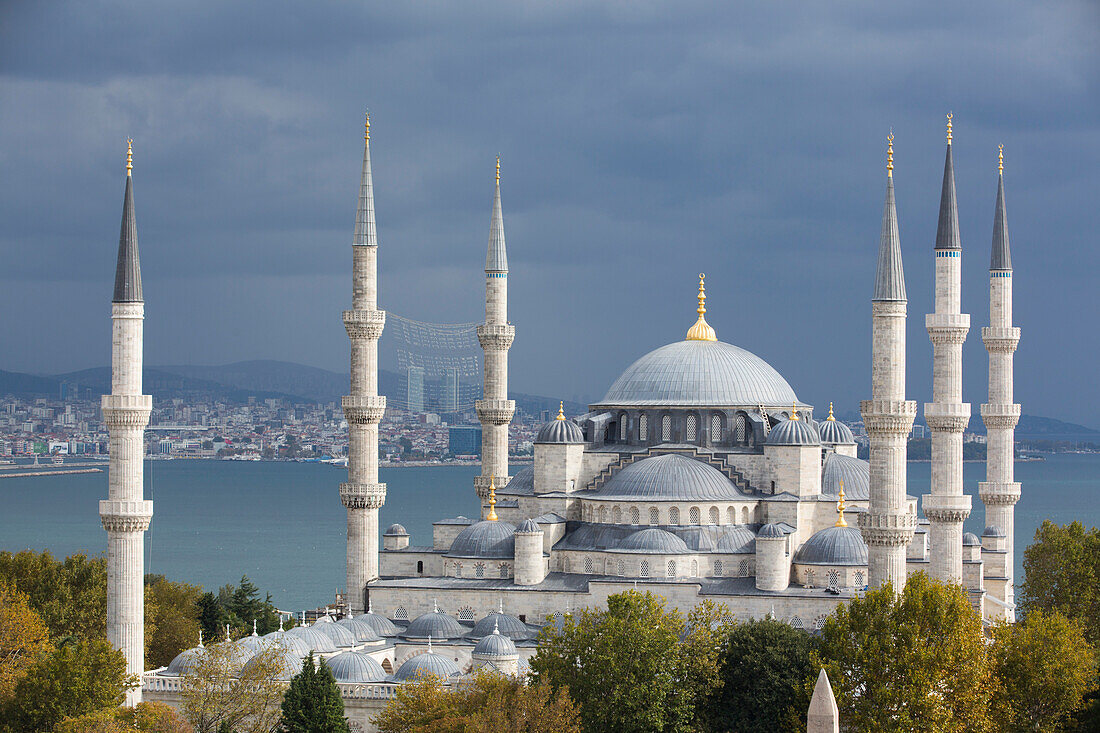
{"points": [[946, 508], [496, 336], [363, 410], [362, 495], [947, 328], [126, 410], [495, 412], [1000, 417], [1003, 494], [886, 529], [947, 417], [364, 324], [1001, 340], [888, 416], [125, 516]]}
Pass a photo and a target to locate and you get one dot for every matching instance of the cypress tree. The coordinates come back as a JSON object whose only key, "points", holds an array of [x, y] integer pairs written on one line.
{"points": [[313, 704]]}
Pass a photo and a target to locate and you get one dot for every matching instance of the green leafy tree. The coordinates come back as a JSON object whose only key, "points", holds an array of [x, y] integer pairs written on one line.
{"points": [[77, 678], [171, 617], [70, 595], [212, 617], [217, 695], [766, 675], [624, 666], [313, 703], [151, 717], [1043, 667], [24, 638], [914, 662], [1062, 573]]}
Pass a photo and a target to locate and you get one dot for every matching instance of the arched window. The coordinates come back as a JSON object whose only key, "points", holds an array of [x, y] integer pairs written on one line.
{"points": [[796, 622], [666, 428], [740, 428], [716, 428], [819, 623], [859, 582], [673, 516], [465, 614], [644, 569], [718, 568], [458, 570], [692, 427], [387, 666], [643, 427], [616, 515], [401, 614], [622, 427], [744, 515], [693, 515], [654, 515], [479, 570], [635, 516], [420, 566], [833, 578], [731, 515], [671, 572], [714, 515], [504, 570], [589, 568], [695, 568], [810, 575], [603, 514], [565, 564], [622, 568], [743, 569]]}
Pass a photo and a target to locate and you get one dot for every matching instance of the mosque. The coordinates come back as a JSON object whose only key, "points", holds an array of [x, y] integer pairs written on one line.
{"points": [[699, 474]]}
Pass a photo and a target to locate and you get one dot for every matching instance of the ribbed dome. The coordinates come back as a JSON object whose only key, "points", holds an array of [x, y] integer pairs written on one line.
{"points": [[770, 531], [436, 625], [395, 530], [317, 641], [184, 662], [341, 636], [737, 539], [361, 630], [669, 477], [854, 472], [286, 665], [381, 625], [506, 624], [528, 526], [994, 530], [833, 546], [426, 664], [237, 655], [495, 645], [355, 667], [970, 540], [793, 432], [485, 539], [560, 431], [251, 643], [653, 540], [834, 432], [290, 643], [694, 373]]}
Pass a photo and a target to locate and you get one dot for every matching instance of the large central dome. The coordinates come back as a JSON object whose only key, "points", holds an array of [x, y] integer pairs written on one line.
{"points": [[699, 373]]}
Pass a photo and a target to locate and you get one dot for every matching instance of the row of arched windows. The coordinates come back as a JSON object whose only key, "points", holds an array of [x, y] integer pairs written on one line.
{"points": [[616, 514], [690, 430], [503, 570], [612, 566]]}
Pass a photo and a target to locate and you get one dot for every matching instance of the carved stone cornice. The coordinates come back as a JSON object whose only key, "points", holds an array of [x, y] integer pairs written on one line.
{"points": [[362, 496], [495, 412], [364, 325], [125, 516], [947, 417], [1001, 340], [888, 417], [481, 484], [885, 529], [1000, 416], [364, 409], [947, 328], [999, 494], [497, 336], [126, 411]]}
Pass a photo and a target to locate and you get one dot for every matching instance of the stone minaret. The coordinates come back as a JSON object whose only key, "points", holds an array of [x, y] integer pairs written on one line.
{"points": [[496, 334], [999, 492], [947, 415], [362, 494], [887, 526], [126, 514]]}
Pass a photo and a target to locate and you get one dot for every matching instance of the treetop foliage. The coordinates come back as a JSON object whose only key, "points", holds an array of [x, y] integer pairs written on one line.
{"points": [[313, 703], [1062, 573]]}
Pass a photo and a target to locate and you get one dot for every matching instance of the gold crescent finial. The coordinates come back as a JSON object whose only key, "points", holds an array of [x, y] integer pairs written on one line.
{"points": [[492, 515], [702, 331], [794, 410], [366, 132], [129, 155], [840, 522], [830, 418], [1001, 159], [561, 411], [498, 167], [949, 116], [890, 153]]}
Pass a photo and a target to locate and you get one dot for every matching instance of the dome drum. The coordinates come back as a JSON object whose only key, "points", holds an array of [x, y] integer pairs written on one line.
{"points": [[707, 427]]}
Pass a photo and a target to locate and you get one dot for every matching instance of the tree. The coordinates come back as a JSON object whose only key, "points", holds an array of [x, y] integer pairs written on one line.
{"points": [[77, 678], [1043, 667], [914, 662], [70, 595], [1062, 573], [486, 704], [218, 694], [624, 666], [24, 638], [172, 619], [153, 717], [212, 617], [766, 676], [313, 703]]}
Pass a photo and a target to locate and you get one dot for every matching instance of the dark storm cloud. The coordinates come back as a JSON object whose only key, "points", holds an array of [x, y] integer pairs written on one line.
{"points": [[641, 143]]}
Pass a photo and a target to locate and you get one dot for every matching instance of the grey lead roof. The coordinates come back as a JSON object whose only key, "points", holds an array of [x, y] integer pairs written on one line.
{"points": [[890, 276], [496, 259], [833, 546], [425, 665], [854, 472], [669, 477], [560, 431], [654, 540], [486, 539], [365, 233], [1001, 258], [128, 270], [793, 432], [355, 667], [947, 232]]}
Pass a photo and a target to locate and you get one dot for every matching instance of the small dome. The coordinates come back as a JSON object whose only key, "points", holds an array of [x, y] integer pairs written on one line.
{"points": [[355, 667], [994, 530], [971, 540], [854, 472], [504, 623], [291, 643], [238, 655], [560, 430], [341, 636], [737, 539], [669, 477], [833, 546], [326, 619], [381, 625], [770, 531], [426, 664], [361, 630], [653, 540], [395, 530], [287, 665], [793, 432], [495, 645], [252, 643], [317, 641], [184, 662], [436, 625], [485, 539], [834, 432], [528, 526]]}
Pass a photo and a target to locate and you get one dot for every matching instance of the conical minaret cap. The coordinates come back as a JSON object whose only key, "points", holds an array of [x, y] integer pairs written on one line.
{"points": [[496, 259], [823, 707], [1001, 258], [128, 270], [365, 232], [890, 277], [947, 232]]}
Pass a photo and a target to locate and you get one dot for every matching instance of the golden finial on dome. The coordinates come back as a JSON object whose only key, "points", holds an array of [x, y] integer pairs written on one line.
{"points": [[701, 331], [561, 411], [498, 167], [1001, 159], [840, 522], [492, 515], [949, 116], [129, 155], [794, 410], [890, 154], [830, 418], [366, 132]]}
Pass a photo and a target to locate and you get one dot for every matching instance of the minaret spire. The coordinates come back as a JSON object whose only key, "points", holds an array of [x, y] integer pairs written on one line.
{"points": [[890, 275], [128, 269]]}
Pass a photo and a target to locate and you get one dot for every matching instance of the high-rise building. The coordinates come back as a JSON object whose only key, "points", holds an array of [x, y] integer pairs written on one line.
{"points": [[414, 386]]}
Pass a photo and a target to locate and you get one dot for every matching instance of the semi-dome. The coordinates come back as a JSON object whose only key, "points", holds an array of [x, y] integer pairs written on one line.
{"points": [[771, 531], [284, 666], [395, 530], [560, 430], [355, 667], [381, 625], [317, 641], [834, 432], [434, 625], [363, 632], [833, 546], [653, 540], [485, 539], [495, 645], [854, 472], [697, 373], [340, 635], [793, 432], [528, 526], [737, 539], [971, 540], [427, 664], [669, 477], [184, 662], [503, 623]]}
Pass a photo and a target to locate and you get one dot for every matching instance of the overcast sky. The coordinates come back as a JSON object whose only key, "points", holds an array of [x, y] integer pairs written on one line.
{"points": [[642, 143]]}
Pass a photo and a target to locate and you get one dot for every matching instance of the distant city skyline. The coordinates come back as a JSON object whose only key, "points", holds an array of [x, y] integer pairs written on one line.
{"points": [[640, 146]]}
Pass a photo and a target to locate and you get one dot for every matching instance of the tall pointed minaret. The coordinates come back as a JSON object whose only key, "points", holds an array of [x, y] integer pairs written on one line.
{"points": [[887, 526], [947, 415], [125, 513], [362, 493], [1000, 492], [495, 410]]}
